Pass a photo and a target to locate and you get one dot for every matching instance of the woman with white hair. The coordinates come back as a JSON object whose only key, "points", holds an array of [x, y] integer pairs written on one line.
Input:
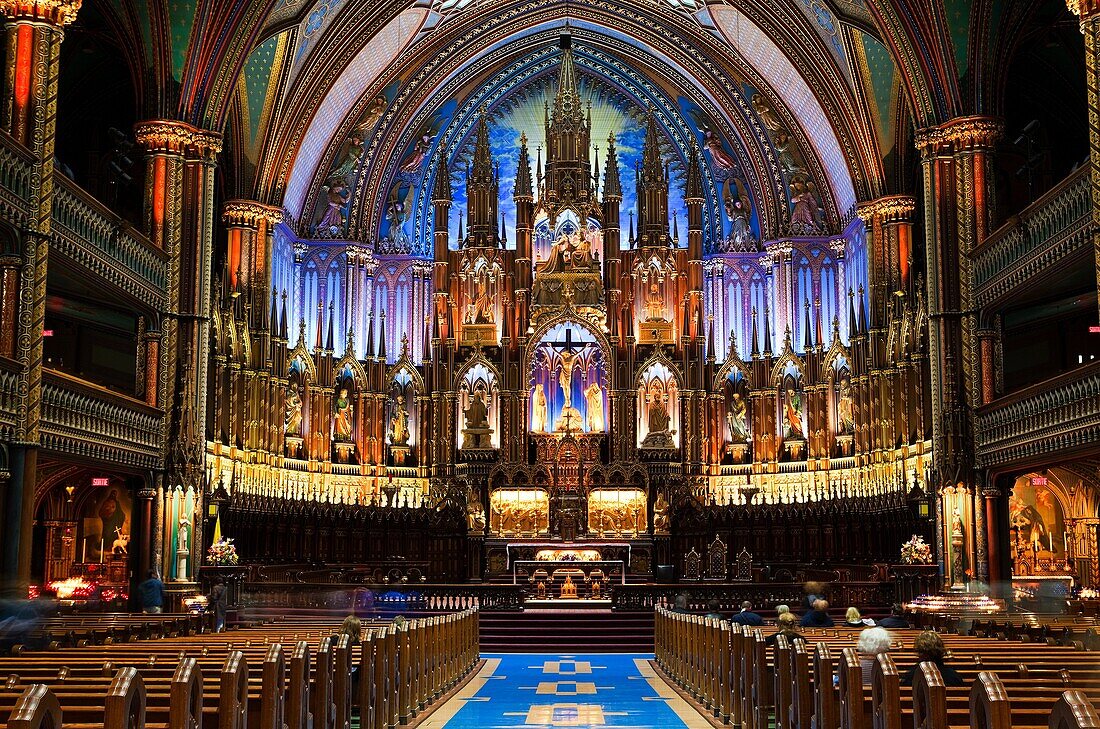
{"points": [[872, 642]]}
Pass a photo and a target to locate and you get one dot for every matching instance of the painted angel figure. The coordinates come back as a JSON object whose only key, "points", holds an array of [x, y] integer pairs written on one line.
{"points": [[336, 197], [723, 161], [739, 211], [414, 162], [764, 110]]}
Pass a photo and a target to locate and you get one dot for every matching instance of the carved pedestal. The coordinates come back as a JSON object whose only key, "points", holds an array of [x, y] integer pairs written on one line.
{"points": [[345, 452], [294, 446]]}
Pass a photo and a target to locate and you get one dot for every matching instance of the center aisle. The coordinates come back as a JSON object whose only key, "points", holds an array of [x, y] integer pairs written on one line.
{"points": [[548, 690]]}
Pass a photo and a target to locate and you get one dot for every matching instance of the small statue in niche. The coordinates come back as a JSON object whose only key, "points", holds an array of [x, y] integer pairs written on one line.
{"points": [[738, 419], [538, 410], [593, 395], [399, 423], [293, 418], [658, 419], [477, 433], [342, 418], [475, 514], [660, 514]]}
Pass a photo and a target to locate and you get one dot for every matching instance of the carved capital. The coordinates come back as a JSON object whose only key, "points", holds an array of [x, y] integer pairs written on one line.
{"points": [[162, 135], [1086, 10], [57, 12], [205, 144], [958, 135], [891, 209], [249, 213]]}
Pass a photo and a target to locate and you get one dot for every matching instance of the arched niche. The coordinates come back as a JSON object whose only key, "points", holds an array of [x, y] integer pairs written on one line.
{"points": [[478, 382], [345, 404], [567, 381], [792, 409], [402, 412], [658, 392]]}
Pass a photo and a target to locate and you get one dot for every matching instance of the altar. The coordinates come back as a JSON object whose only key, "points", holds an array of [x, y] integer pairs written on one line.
{"points": [[605, 568]]}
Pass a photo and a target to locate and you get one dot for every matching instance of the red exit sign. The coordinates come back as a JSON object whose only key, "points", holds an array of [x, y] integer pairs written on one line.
{"points": [[100, 481], [49, 332], [1094, 330], [1039, 481]]}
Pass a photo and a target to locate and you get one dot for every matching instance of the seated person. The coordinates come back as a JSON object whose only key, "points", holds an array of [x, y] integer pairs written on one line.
{"points": [[680, 605], [872, 642], [852, 619], [818, 617], [780, 609], [787, 623], [714, 611], [747, 616], [896, 619], [929, 648]]}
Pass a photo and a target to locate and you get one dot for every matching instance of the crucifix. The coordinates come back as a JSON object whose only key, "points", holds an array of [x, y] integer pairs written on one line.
{"points": [[567, 350]]}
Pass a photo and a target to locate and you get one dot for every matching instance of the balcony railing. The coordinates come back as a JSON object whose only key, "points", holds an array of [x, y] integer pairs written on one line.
{"points": [[82, 419], [9, 384], [93, 236], [1058, 415], [15, 179], [1046, 232]]}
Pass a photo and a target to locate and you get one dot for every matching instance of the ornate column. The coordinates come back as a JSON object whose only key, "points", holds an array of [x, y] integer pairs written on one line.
{"points": [[889, 222], [251, 226], [34, 30], [1089, 13], [956, 157]]}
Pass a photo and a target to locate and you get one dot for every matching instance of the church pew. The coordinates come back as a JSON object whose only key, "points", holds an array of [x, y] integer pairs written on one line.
{"points": [[235, 693], [1034, 675]]}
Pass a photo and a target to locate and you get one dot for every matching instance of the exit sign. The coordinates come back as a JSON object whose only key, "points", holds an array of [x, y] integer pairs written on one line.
{"points": [[1039, 481], [49, 332], [100, 481], [1094, 330]]}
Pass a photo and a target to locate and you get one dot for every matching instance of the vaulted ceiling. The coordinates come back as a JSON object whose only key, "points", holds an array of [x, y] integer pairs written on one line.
{"points": [[834, 87]]}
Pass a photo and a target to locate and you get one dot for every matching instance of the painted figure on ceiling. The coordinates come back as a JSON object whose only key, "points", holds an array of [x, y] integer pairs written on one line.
{"points": [[739, 211], [414, 162], [723, 161], [336, 197], [764, 110]]}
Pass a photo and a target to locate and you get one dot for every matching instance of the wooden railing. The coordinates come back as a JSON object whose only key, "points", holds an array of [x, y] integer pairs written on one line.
{"points": [[82, 419], [1057, 415], [85, 231], [729, 597], [1043, 234], [397, 598]]}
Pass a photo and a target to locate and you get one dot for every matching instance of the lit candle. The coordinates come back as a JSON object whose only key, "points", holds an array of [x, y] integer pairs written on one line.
{"points": [[1050, 542], [83, 551], [1065, 543], [102, 555]]}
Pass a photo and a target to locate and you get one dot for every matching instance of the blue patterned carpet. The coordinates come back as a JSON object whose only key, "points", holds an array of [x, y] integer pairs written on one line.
{"points": [[545, 690]]}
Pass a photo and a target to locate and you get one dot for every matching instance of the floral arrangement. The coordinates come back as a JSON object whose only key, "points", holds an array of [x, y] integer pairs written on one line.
{"points": [[1089, 593], [222, 553], [916, 551]]}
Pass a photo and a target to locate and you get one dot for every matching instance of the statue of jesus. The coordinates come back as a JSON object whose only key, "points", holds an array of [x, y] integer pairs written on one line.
{"points": [[565, 378]]}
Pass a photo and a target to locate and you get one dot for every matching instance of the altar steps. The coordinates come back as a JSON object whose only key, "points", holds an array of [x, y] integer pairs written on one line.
{"points": [[580, 631]]}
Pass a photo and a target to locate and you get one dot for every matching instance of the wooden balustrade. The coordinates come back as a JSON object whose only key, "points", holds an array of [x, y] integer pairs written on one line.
{"points": [[734, 673], [402, 670]]}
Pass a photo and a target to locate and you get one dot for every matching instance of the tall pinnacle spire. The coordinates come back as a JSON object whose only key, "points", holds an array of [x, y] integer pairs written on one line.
{"points": [[611, 186], [482, 189], [567, 103], [524, 183]]}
